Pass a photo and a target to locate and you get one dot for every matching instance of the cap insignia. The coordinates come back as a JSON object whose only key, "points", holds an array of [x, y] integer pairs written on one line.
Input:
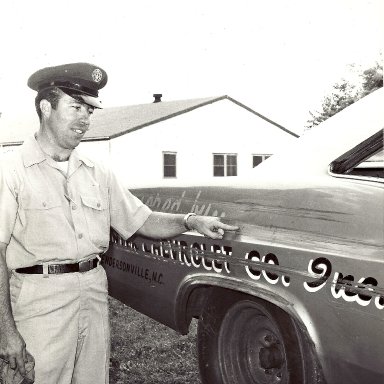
{"points": [[97, 75]]}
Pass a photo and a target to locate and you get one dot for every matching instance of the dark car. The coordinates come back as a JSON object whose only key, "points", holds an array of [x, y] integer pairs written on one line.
{"points": [[297, 294]]}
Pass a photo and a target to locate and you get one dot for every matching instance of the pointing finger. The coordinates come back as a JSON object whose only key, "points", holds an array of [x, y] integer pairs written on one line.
{"points": [[227, 227]]}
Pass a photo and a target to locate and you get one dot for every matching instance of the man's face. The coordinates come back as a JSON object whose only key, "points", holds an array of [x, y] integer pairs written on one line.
{"points": [[68, 123]]}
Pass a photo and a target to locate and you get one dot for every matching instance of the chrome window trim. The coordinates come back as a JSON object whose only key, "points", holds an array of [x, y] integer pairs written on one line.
{"points": [[373, 144], [355, 177]]}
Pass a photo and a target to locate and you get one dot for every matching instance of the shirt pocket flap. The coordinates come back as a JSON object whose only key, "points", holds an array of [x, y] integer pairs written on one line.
{"points": [[35, 202], [93, 202]]}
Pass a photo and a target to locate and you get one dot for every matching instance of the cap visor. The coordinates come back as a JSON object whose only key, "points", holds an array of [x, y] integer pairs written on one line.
{"points": [[93, 101]]}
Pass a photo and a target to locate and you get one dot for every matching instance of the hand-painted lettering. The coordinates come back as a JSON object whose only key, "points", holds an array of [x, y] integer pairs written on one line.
{"points": [[174, 204], [321, 268], [252, 272], [256, 273], [343, 287], [196, 249], [270, 258], [196, 254], [216, 257], [221, 250], [133, 269]]}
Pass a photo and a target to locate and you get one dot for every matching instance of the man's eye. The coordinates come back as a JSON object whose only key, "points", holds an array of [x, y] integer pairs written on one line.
{"points": [[77, 107]]}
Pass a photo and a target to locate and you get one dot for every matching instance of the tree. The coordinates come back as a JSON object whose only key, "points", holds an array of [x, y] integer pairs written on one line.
{"points": [[344, 93]]}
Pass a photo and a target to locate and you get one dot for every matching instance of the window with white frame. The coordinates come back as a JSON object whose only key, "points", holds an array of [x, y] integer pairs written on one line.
{"points": [[169, 164], [224, 164], [257, 159]]}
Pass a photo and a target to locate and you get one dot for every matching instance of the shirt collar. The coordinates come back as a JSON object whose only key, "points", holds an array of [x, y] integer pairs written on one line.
{"points": [[33, 154], [78, 157]]}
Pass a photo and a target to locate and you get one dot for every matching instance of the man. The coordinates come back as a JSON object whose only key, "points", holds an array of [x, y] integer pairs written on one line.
{"points": [[57, 207]]}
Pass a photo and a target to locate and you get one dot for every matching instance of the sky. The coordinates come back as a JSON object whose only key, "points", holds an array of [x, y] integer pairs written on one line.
{"points": [[278, 57]]}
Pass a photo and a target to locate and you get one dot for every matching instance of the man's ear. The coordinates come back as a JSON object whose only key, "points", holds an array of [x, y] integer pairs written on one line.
{"points": [[45, 107]]}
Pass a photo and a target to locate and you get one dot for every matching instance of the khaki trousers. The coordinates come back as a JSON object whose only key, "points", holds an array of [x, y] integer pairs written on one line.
{"points": [[64, 322]]}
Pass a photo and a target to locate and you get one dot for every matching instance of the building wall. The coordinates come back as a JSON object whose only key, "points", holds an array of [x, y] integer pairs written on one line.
{"points": [[221, 127], [96, 150]]}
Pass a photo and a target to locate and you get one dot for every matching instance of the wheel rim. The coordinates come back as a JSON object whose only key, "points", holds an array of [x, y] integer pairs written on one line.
{"points": [[251, 346]]}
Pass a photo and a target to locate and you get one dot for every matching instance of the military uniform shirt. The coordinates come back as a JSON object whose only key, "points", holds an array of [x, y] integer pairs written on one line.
{"points": [[48, 216]]}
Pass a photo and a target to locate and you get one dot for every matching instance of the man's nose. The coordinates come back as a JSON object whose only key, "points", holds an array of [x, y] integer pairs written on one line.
{"points": [[85, 113]]}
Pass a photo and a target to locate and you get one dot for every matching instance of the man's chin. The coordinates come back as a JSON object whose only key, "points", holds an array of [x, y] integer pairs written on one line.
{"points": [[71, 145]]}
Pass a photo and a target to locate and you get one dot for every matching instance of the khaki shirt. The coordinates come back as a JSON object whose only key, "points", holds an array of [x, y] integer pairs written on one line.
{"points": [[51, 217]]}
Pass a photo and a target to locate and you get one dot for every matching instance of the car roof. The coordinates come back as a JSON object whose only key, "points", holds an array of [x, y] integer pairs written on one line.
{"points": [[312, 153]]}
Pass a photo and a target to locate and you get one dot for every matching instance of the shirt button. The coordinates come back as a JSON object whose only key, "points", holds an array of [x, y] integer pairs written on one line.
{"points": [[80, 236], [98, 205], [44, 204], [74, 206]]}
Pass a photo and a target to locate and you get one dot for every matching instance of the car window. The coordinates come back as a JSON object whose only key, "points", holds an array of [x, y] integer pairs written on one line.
{"points": [[373, 166], [364, 160]]}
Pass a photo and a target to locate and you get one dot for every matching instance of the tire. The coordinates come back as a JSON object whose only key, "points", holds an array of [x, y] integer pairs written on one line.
{"points": [[244, 340]]}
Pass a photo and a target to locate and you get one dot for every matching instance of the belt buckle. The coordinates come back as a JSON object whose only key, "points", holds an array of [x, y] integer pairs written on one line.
{"points": [[85, 266]]}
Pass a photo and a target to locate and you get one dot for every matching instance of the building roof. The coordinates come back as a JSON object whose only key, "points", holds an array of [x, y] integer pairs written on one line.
{"points": [[112, 122], [117, 121]]}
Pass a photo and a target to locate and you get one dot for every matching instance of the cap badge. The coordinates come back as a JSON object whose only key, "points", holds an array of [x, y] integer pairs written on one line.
{"points": [[97, 75]]}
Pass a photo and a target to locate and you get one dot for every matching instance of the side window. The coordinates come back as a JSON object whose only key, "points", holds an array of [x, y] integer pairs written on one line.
{"points": [[218, 165], [373, 166], [169, 164], [257, 159], [366, 160], [231, 165], [224, 164]]}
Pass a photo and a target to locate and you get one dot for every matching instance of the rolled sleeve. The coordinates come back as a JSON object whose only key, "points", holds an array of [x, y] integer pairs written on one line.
{"points": [[128, 213]]}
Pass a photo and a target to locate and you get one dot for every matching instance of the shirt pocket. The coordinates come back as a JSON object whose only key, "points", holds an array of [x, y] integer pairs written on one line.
{"points": [[41, 218], [96, 211]]}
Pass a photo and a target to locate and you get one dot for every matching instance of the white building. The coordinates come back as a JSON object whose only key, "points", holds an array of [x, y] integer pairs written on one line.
{"points": [[177, 142]]}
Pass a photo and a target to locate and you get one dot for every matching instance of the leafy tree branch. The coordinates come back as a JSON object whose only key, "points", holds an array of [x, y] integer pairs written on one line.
{"points": [[344, 94]]}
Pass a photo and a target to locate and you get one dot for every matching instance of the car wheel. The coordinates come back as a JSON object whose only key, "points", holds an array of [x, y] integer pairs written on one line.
{"points": [[243, 340]]}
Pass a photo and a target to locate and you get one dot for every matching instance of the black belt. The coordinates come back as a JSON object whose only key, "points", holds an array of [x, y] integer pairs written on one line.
{"points": [[82, 266]]}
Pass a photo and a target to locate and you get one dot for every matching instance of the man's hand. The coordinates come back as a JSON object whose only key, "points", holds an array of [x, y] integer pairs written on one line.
{"points": [[12, 349], [161, 225], [210, 226]]}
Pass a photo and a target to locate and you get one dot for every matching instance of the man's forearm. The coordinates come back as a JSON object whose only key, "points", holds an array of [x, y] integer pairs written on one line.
{"points": [[6, 317], [12, 345], [162, 225]]}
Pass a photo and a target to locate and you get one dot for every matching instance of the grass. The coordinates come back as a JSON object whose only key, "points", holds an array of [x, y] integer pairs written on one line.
{"points": [[146, 352]]}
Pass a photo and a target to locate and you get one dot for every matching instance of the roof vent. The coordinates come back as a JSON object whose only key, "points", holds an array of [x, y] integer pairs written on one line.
{"points": [[157, 97]]}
